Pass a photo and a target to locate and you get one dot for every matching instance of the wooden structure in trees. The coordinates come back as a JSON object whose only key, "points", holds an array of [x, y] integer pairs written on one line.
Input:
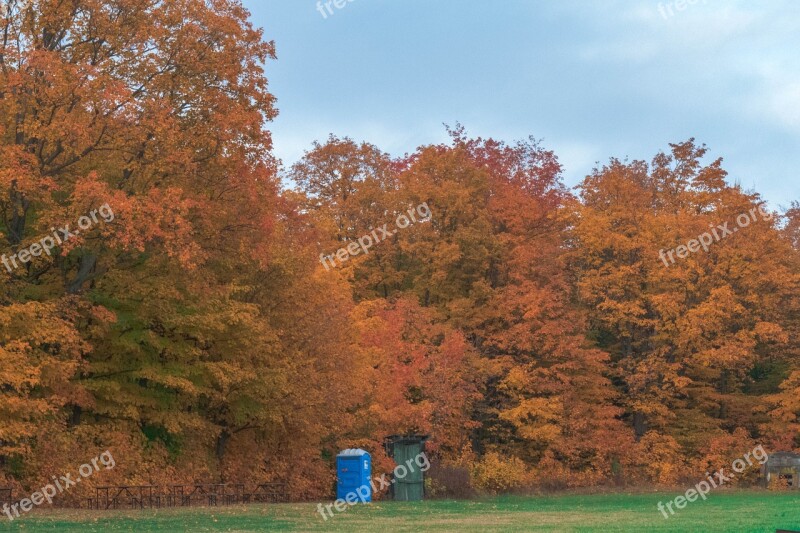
{"points": [[782, 465]]}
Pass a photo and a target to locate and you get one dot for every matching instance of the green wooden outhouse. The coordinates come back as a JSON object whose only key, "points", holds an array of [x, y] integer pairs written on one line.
{"points": [[405, 449]]}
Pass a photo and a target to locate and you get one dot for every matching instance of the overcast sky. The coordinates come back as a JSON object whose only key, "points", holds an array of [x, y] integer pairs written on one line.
{"points": [[592, 79]]}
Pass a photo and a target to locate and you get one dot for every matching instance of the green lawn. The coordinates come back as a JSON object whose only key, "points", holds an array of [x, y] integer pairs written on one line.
{"points": [[736, 511]]}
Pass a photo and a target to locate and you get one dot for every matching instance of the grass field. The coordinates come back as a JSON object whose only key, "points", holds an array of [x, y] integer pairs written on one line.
{"points": [[737, 511]]}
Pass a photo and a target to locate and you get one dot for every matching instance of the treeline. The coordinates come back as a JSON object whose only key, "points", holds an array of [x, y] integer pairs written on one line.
{"points": [[535, 333]]}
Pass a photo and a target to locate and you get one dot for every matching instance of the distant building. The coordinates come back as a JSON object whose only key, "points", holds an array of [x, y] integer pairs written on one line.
{"points": [[782, 465]]}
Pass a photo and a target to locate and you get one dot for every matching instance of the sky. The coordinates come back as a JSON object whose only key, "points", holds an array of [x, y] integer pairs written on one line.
{"points": [[591, 79]]}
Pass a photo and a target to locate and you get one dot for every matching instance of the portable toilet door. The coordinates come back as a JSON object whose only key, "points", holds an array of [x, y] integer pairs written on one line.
{"points": [[353, 470]]}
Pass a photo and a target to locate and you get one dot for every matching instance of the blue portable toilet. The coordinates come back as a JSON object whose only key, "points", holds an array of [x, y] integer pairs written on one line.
{"points": [[353, 469]]}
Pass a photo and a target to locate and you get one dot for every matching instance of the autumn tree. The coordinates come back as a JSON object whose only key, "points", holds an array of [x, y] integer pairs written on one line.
{"points": [[157, 109], [695, 342]]}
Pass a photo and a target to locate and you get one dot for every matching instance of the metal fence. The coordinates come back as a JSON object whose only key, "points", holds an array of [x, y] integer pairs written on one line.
{"points": [[191, 495]]}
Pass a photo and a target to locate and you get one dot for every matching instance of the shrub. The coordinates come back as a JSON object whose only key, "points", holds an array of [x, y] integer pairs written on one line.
{"points": [[448, 481], [496, 473]]}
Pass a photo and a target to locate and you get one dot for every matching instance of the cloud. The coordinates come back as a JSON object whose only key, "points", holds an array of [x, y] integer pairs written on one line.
{"points": [[594, 79]]}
